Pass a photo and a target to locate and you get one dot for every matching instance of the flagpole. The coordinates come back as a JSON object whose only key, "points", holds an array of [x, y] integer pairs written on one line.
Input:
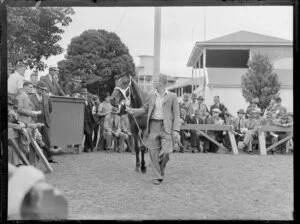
{"points": [[157, 37]]}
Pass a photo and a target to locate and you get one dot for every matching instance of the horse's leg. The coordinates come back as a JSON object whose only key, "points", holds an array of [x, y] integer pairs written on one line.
{"points": [[137, 152], [143, 150]]}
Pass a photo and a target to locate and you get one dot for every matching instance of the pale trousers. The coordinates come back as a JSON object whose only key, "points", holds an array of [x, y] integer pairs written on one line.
{"points": [[160, 146]]}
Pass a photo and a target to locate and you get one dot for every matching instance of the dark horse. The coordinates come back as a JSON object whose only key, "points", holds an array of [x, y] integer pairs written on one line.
{"points": [[128, 93]]}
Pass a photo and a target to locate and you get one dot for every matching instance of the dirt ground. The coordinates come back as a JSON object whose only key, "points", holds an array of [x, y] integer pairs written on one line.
{"points": [[102, 185]]}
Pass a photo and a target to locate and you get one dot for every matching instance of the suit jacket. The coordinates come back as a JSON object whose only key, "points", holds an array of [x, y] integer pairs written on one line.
{"points": [[55, 88], [46, 108], [25, 108], [222, 109], [194, 121], [188, 107], [236, 123], [171, 113], [110, 126], [185, 120], [88, 115]]}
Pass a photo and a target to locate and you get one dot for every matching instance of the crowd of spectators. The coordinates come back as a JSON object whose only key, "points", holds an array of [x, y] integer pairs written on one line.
{"points": [[245, 124]]}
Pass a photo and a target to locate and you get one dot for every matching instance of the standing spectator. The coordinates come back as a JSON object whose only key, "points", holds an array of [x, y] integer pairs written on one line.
{"points": [[194, 103], [112, 127], [270, 136], [16, 79], [103, 110], [163, 125], [51, 82], [73, 86], [10, 69], [187, 105], [216, 135], [42, 102], [196, 137], [88, 122], [95, 103], [184, 134], [125, 129], [202, 106], [218, 105]]}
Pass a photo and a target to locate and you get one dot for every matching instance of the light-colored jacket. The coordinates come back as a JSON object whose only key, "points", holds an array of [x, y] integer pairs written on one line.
{"points": [[171, 112], [26, 108], [109, 126]]}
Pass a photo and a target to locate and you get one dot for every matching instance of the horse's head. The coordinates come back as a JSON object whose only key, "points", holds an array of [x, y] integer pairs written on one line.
{"points": [[121, 94]]}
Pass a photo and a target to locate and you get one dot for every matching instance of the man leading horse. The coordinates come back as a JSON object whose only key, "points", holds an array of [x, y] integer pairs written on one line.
{"points": [[163, 125]]}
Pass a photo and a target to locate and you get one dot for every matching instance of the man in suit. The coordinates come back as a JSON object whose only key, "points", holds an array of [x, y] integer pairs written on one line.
{"points": [[184, 134], [88, 122], [42, 102], [51, 82], [195, 136], [73, 86], [238, 124], [216, 135], [112, 127], [163, 125], [218, 105]]}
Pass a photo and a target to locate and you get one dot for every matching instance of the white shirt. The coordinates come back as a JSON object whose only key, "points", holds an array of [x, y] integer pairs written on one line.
{"points": [[158, 108], [39, 97], [15, 82]]}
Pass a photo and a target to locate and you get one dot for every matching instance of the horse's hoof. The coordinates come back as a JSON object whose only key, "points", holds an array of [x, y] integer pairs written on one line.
{"points": [[143, 169], [137, 169]]}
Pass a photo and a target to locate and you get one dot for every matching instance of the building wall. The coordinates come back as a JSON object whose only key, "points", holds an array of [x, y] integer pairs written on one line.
{"points": [[147, 64]]}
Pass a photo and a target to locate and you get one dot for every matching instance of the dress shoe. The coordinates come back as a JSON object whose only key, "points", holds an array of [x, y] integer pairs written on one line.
{"points": [[52, 161], [157, 181]]}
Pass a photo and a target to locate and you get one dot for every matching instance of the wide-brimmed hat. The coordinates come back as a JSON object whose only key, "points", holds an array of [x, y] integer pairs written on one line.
{"points": [[255, 100], [84, 91], [217, 110], [53, 68], [194, 96], [41, 85], [114, 110], [241, 111], [269, 114]]}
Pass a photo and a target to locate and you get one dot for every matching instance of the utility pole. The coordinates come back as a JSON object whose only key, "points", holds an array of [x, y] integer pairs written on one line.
{"points": [[157, 37]]}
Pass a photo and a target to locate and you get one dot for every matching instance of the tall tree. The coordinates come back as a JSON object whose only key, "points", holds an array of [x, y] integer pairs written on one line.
{"points": [[33, 33], [99, 56], [260, 81]]}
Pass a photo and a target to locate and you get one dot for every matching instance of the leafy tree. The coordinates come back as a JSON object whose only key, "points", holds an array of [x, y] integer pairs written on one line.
{"points": [[33, 33], [100, 57], [260, 81]]}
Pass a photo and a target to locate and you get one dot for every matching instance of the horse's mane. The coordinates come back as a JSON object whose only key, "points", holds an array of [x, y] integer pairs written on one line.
{"points": [[139, 96]]}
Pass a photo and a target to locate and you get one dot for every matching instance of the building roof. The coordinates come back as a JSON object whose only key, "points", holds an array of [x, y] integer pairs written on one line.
{"points": [[240, 38], [185, 82], [145, 55]]}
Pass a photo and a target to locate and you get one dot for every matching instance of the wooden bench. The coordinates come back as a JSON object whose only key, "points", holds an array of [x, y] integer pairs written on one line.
{"points": [[262, 137], [200, 128]]}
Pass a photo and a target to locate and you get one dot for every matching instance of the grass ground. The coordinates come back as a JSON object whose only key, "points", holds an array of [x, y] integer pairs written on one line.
{"points": [[102, 185]]}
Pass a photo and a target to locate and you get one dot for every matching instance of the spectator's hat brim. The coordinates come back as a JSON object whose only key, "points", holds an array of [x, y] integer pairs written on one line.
{"points": [[41, 85], [216, 110]]}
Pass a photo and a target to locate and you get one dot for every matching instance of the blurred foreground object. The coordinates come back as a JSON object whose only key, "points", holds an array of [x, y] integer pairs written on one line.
{"points": [[31, 198]]}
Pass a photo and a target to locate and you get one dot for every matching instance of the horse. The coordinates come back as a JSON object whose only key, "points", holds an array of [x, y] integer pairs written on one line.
{"points": [[128, 93]]}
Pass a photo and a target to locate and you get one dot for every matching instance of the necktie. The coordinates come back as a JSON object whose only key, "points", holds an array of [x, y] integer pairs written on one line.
{"points": [[239, 124]]}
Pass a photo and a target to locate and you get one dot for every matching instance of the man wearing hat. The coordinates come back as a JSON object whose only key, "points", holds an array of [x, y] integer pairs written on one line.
{"points": [[187, 105], [278, 108], [42, 102], [88, 121], [112, 129], [74, 85], [202, 106], [16, 79], [239, 124], [194, 102], [250, 130], [253, 106], [218, 105], [217, 135], [51, 82]]}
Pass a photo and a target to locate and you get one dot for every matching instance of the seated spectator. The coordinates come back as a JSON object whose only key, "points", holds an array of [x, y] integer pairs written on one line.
{"points": [[239, 124], [270, 136], [194, 102], [125, 129], [184, 134], [250, 130], [253, 106], [278, 108], [283, 121], [218, 105], [196, 137], [112, 130], [187, 105], [216, 135]]}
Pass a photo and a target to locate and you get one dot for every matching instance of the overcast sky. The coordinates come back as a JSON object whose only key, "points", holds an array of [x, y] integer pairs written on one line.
{"points": [[181, 27]]}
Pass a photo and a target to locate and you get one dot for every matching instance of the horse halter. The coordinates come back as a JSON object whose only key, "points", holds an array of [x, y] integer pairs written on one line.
{"points": [[127, 99]]}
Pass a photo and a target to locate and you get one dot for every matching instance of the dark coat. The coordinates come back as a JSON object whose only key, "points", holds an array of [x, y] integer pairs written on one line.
{"points": [[46, 108], [55, 88]]}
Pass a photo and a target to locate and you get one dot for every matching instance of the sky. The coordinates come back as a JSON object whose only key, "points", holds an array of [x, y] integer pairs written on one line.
{"points": [[181, 27]]}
